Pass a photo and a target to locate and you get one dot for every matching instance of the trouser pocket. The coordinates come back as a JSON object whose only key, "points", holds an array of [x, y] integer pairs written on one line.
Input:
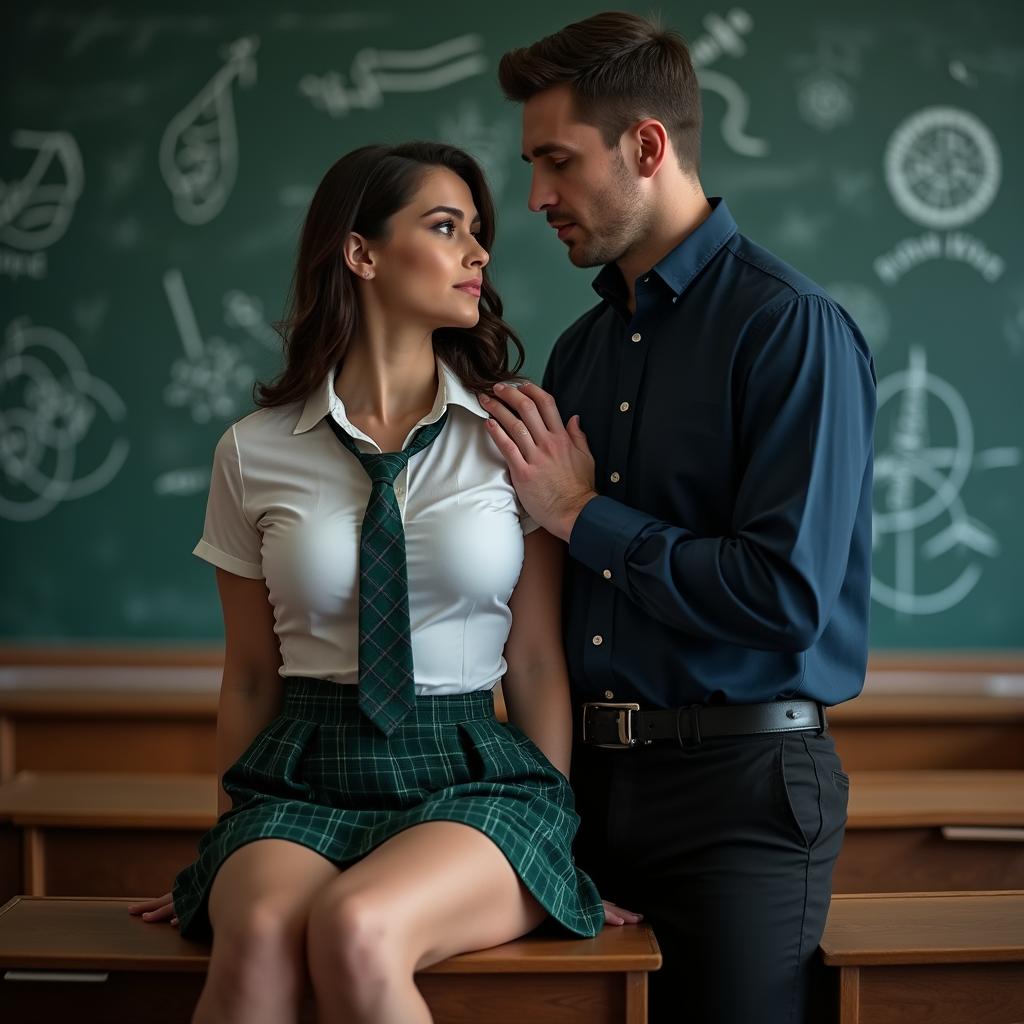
{"points": [[801, 789]]}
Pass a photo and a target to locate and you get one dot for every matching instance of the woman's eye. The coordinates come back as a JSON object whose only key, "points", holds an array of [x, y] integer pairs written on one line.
{"points": [[446, 224]]}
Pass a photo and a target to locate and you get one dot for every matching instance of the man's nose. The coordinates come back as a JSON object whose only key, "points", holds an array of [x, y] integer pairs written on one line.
{"points": [[541, 194]]}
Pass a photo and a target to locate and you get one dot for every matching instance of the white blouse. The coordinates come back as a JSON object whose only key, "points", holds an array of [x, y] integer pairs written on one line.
{"points": [[286, 504]]}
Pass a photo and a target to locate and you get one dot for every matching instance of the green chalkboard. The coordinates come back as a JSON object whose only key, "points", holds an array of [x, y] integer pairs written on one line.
{"points": [[156, 161]]}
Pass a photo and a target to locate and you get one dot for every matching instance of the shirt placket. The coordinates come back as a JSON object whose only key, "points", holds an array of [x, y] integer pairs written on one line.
{"points": [[597, 654]]}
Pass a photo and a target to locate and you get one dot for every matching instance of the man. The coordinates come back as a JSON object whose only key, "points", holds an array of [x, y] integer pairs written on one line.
{"points": [[717, 515]]}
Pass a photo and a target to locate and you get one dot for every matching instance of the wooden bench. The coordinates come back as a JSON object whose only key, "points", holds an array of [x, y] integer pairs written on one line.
{"points": [[927, 958], [928, 831], [87, 960]]}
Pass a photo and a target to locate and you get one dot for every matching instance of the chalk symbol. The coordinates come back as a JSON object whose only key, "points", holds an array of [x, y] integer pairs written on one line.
{"points": [[490, 143], [49, 405], [725, 35], [912, 464], [375, 72], [212, 375], [199, 148], [246, 312], [35, 213], [825, 100], [943, 167]]}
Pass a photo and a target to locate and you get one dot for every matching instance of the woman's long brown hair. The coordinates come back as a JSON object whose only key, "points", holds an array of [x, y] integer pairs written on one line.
{"points": [[359, 193]]}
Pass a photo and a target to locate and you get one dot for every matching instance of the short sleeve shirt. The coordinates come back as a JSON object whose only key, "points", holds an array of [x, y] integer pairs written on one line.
{"points": [[286, 505]]}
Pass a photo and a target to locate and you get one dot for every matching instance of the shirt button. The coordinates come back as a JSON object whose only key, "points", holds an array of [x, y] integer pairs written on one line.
{"points": [[608, 694], [606, 573], [624, 407], [636, 337], [597, 640], [646, 279], [615, 478]]}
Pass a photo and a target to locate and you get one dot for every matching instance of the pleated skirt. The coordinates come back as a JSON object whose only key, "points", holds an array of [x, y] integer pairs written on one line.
{"points": [[321, 775]]}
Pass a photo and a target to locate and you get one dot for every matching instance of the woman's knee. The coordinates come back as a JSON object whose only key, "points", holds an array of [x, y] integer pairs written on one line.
{"points": [[257, 947], [354, 938]]}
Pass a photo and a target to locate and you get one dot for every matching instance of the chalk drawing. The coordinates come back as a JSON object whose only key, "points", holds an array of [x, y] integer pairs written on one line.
{"points": [[943, 167], [246, 312], [918, 487], [374, 73], [826, 96], [49, 405], [212, 377], [491, 142], [724, 36], [737, 107], [825, 100], [959, 72], [199, 148], [36, 209]]}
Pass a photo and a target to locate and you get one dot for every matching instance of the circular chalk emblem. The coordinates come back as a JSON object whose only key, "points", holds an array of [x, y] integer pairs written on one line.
{"points": [[942, 166]]}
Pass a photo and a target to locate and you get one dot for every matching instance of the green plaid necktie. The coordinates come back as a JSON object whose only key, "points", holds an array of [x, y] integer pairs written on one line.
{"points": [[386, 689]]}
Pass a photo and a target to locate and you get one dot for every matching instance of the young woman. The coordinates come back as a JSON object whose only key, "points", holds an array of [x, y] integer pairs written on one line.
{"points": [[375, 817]]}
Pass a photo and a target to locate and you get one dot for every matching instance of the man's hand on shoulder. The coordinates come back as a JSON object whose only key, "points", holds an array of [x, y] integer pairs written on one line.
{"points": [[551, 466]]}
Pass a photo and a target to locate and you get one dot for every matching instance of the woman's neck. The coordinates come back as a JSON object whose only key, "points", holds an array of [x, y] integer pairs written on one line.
{"points": [[386, 383]]}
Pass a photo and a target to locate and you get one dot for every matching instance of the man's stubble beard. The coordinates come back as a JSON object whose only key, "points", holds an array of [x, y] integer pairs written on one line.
{"points": [[624, 221]]}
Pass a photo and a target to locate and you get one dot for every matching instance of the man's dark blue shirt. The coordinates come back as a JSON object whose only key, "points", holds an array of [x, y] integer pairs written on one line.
{"points": [[727, 557]]}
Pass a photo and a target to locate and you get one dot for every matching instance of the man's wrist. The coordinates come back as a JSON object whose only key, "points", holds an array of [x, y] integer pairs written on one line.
{"points": [[568, 521]]}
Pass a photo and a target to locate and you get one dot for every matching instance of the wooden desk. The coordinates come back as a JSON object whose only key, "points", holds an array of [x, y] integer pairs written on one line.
{"points": [[107, 730], [162, 729], [105, 834], [927, 958], [119, 970], [938, 730], [907, 831], [113, 834]]}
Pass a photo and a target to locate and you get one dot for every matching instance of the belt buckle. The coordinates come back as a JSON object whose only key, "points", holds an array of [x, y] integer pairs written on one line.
{"points": [[624, 723]]}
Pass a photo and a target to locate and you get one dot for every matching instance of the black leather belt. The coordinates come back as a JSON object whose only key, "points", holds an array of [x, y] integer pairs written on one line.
{"points": [[621, 726]]}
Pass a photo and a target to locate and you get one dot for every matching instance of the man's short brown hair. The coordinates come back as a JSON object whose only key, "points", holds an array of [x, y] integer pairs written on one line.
{"points": [[622, 68]]}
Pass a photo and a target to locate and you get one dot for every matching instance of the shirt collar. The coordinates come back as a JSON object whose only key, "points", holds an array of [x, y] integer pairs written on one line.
{"points": [[680, 266], [450, 391]]}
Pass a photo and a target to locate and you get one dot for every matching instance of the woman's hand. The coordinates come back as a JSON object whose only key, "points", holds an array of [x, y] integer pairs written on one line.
{"points": [[156, 910], [616, 915]]}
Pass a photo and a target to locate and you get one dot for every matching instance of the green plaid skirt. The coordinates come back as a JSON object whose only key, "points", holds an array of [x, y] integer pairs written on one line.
{"points": [[321, 775]]}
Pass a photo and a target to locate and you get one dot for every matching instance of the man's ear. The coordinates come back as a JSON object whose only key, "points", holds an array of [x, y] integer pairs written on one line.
{"points": [[649, 146], [358, 256]]}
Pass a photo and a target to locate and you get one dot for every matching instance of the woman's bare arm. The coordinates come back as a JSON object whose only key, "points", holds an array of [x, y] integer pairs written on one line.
{"points": [[250, 692], [536, 683]]}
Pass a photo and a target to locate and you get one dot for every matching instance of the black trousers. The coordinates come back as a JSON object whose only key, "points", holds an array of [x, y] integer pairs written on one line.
{"points": [[727, 849]]}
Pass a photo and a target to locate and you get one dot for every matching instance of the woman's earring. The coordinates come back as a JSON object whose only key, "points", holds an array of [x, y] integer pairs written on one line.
{"points": [[367, 275]]}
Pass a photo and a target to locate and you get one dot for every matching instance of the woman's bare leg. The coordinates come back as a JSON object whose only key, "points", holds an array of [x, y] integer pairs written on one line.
{"points": [[432, 891], [259, 906]]}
